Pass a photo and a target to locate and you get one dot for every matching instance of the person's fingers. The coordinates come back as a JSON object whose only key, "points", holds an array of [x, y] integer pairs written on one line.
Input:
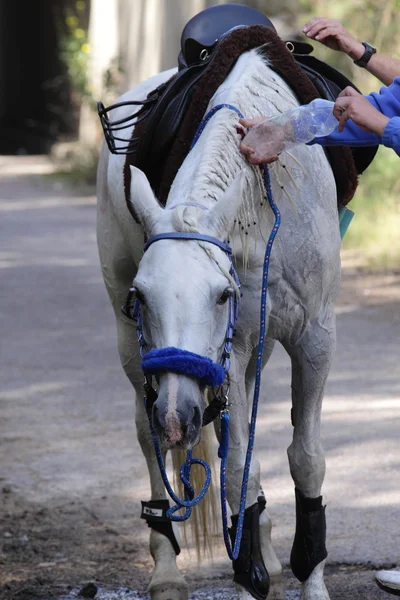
{"points": [[322, 24], [342, 120], [254, 158], [342, 103], [252, 122], [316, 29], [340, 110], [246, 149], [258, 159], [311, 23], [337, 112], [327, 32], [348, 92]]}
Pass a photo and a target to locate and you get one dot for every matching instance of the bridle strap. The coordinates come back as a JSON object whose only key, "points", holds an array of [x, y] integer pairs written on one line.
{"points": [[175, 235]]}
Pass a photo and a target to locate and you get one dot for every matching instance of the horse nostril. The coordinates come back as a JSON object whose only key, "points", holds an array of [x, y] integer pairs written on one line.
{"points": [[158, 421], [196, 417]]}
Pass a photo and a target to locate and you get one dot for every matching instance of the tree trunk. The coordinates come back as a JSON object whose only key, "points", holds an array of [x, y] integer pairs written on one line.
{"points": [[35, 97], [145, 36]]}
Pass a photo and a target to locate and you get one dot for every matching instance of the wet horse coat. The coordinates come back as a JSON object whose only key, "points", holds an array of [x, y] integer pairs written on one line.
{"points": [[181, 286]]}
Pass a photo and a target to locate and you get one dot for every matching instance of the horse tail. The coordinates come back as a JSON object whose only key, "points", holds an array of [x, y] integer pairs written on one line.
{"points": [[203, 524]]}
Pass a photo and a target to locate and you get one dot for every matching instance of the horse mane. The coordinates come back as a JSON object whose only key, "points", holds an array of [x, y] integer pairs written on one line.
{"points": [[253, 88]]}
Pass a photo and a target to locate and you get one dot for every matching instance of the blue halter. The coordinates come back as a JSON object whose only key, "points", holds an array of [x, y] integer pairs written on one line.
{"points": [[179, 361], [184, 362]]}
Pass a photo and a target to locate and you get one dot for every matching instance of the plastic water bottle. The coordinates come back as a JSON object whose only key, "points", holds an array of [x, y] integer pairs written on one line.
{"points": [[296, 126]]}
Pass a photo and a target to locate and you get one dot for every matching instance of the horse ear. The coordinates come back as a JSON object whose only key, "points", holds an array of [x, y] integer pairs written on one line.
{"points": [[143, 201], [221, 217]]}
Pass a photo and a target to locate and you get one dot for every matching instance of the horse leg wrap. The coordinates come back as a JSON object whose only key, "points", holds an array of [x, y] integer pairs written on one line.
{"points": [[309, 541], [249, 568], [155, 513]]}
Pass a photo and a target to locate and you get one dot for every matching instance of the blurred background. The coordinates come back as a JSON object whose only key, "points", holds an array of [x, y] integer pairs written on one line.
{"points": [[60, 56]]}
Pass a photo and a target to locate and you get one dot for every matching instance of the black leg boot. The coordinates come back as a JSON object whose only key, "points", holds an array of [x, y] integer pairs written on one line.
{"points": [[250, 570], [309, 541]]}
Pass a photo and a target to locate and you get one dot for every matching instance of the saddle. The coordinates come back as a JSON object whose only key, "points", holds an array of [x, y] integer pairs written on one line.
{"points": [[168, 118]]}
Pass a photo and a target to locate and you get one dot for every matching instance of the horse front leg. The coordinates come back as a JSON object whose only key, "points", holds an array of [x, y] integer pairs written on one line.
{"points": [[119, 269], [166, 583], [311, 360], [257, 561], [271, 560]]}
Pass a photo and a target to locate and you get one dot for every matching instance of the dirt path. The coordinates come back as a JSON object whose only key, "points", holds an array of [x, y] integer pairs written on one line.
{"points": [[71, 472]]}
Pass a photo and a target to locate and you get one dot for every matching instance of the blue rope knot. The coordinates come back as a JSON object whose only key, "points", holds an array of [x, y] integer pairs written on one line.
{"points": [[190, 498], [184, 362]]}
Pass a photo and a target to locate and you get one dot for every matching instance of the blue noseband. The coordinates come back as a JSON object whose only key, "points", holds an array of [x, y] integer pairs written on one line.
{"points": [[175, 360]]}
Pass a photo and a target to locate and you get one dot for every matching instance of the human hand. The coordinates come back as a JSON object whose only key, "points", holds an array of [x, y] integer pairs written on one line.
{"points": [[332, 34], [253, 145], [352, 105]]}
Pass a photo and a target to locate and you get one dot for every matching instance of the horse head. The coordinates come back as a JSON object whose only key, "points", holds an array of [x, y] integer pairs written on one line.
{"points": [[184, 287]]}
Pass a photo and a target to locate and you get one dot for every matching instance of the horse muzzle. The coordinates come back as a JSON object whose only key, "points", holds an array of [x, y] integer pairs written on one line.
{"points": [[177, 413]]}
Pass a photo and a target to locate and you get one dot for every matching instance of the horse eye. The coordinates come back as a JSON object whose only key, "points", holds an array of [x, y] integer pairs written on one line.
{"points": [[225, 296]]}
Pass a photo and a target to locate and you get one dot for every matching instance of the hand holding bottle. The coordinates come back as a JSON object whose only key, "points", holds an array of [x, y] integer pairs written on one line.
{"points": [[267, 138], [352, 105], [255, 144]]}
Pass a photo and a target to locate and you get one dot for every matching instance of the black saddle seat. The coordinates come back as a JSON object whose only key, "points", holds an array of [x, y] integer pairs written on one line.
{"points": [[206, 28]]}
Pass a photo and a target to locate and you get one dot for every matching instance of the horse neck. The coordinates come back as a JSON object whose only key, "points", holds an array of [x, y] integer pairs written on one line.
{"points": [[210, 167], [215, 160]]}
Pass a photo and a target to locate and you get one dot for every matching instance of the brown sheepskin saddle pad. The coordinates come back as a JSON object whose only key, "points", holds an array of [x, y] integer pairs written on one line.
{"points": [[168, 119]]}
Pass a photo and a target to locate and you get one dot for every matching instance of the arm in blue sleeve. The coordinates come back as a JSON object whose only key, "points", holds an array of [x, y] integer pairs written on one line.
{"points": [[387, 101], [391, 134], [351, 135]]}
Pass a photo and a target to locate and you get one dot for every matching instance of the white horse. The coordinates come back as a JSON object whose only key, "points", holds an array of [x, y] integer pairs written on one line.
{"points": [[183, 285]]}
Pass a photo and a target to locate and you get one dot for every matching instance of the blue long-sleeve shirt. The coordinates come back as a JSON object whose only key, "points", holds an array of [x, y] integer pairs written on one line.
{"points": [[391, 134], [387, 101]]}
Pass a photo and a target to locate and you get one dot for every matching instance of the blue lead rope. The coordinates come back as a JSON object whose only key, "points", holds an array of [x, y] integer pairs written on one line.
{"points": [[190, 500], [224, 442], [223, 449]]}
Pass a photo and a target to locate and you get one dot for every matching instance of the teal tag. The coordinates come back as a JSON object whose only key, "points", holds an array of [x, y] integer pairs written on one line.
{"points": [[345, 217]]}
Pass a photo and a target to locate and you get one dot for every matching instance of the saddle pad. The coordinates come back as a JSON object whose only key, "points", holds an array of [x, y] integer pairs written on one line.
{"points": [[221, 63]]}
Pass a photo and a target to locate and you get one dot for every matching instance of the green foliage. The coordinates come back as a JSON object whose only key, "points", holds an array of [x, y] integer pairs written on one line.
{"points": [[75, 48], [75, 52], [374, 231]]}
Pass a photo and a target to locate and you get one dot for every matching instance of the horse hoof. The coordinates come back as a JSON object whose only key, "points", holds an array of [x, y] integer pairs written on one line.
{"points": [[318, 592], [314, 587], [169, 591], [241, 593], [277, 588]]}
